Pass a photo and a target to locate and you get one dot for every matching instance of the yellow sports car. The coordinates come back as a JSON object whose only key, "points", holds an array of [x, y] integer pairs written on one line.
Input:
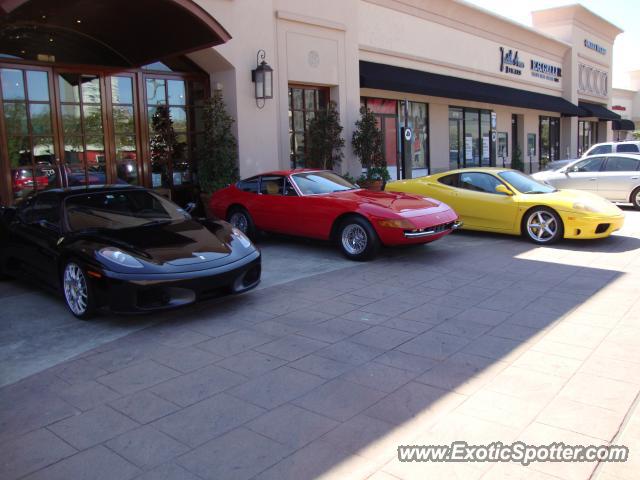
{"points": [[508, 201]]}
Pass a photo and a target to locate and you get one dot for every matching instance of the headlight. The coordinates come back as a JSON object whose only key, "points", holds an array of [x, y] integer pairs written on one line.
{"points": [[242, 238], [118, 256], [397, 223], [587, 207]]}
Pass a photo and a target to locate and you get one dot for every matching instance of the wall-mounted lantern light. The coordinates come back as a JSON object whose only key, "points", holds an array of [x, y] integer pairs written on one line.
{"points": [[262, 76]]}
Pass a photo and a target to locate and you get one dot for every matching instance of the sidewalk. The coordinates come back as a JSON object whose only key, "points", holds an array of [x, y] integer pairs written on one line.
{"points": [[480, 338]]}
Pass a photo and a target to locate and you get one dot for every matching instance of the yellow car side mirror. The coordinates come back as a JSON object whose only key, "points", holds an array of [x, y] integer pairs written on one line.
{"points": [[504, 190]]}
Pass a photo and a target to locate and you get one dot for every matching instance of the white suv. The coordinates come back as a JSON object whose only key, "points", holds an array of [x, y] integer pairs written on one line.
{"points": [[613, 147]]}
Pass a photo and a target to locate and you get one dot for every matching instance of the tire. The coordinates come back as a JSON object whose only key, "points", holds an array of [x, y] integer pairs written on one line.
{"points": [[635, 198], [542, 226], [357, 239], [77, 291], [240, 218]]}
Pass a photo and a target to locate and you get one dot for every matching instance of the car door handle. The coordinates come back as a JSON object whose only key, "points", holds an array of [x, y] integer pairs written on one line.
{"points": [[592, 179], [635, 178]]}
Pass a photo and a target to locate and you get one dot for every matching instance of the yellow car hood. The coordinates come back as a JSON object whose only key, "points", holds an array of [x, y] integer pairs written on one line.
{"points": [[569, 201]]}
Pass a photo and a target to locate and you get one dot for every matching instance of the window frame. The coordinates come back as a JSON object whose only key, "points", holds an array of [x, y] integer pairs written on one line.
{"points": [[293, 160]]}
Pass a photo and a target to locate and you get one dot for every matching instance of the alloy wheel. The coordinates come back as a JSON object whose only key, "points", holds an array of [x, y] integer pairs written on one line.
{"points": [[239, 220], [75, 289], [354, 239], [542, 226]]}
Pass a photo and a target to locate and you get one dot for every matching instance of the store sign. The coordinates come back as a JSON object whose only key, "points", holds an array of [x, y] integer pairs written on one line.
{"points": [[594, 46], [509, 62], [545, 71], [407, 134], [619, 107]]}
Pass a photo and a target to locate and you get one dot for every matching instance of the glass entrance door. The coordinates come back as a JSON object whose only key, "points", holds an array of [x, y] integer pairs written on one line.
{"points": [[82, 133]]}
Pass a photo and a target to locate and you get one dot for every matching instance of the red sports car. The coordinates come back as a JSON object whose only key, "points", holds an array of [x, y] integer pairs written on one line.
{"points": [[320, 204]]}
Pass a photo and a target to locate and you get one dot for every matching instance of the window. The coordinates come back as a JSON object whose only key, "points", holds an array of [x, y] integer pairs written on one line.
{"points": [[289, 189], [524, 183], [47, 207], [587, 135], [600, 149], [386, 112], [304, 103], [271, 185], [456, 141], [451, 180], [627, 147], [470, 147], [590, 165], [549, 140], [315, 183], [416, 149], [124, 129], [479, 182], [28, 129], [621, 164], [250, 185]]}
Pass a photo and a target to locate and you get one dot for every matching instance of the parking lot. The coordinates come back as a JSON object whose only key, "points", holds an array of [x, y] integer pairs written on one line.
{"points": [[331, 365]]}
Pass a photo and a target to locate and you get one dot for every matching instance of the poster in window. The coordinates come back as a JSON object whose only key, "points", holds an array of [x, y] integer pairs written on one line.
{"points": [[468, 146], [503, 151], [531, 144], [485, 147]]}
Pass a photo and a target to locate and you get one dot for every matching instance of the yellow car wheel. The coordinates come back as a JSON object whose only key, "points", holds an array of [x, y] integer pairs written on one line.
{"points": [[542, 225]]}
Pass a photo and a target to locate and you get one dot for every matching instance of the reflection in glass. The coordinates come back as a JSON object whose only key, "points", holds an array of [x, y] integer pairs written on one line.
{"points": [[126, 159], [179, 117], [69, 91], [123, 119], [15, 116], [472, 139], [19, 151], [38, 86], [298, 120], [455, 138], [310, 99], [71, 119], [297, 99], [12, 84], [122, 90], [485, 134], [155, 91], [90, 89], [92, 118], [40, 115], [177, 94]]}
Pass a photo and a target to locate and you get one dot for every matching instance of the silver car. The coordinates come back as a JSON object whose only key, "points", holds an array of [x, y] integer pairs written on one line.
{"points": [[615, 177]]}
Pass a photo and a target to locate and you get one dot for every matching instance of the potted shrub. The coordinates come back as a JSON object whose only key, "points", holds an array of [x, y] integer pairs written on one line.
{"points": [[324, 139], [218, 154], [367, 143], [516, 161]]}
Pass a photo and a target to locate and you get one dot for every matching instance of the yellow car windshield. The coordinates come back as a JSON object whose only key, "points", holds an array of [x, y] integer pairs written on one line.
{"points": [[524, 183]]}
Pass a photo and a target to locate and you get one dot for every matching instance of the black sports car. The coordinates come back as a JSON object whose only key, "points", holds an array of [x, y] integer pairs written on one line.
{"points": [[123, 247]]}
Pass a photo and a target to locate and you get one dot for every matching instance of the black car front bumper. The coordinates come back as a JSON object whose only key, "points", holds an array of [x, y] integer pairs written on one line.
{"points": [[139, 293]]}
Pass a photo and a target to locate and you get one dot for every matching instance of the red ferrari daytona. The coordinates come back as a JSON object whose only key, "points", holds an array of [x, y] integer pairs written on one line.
{"points": [[321, 204]]}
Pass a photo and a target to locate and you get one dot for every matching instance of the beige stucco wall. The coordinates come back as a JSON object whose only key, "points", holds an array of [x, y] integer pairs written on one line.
{"points": [[321, 43]]}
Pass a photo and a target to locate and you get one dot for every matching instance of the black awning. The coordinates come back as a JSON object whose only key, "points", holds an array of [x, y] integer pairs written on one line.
{"points": [[623, 124], [595, 110], [388, 77]]}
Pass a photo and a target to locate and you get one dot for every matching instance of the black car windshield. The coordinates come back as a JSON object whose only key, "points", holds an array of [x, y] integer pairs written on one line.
{"points": [[314, 183], [524, 183], [117, 210]]}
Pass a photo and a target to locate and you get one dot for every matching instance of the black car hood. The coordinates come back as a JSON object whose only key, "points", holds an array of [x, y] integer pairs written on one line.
{"points": [[184, 242]]}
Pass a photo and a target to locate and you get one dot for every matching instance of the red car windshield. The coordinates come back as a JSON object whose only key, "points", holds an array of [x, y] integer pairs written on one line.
{"points": [[314, 183]]}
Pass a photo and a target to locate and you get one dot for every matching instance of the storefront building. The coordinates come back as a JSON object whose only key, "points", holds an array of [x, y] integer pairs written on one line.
{"points": [[452, 85]]}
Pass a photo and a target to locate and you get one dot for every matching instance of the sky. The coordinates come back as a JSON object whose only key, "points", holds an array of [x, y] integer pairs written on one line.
{"points": [[625, 14]]}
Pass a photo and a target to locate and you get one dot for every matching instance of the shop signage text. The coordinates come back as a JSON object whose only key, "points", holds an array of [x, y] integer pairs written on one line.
{"points": [[509, 62], [619, 107], [594, 46], [546, 71]]}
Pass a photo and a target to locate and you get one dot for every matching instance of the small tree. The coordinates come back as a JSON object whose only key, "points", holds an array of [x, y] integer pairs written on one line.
{"points": [[636, 135], [324, 140], [516, 161], [367, 143], [164, 143], [218, 155]]}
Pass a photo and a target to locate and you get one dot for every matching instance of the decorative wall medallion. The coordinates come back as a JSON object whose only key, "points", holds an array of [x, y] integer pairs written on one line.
{"points": [[313, 59]]}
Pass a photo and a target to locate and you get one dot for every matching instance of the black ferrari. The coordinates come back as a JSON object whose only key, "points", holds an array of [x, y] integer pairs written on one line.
{"points": [[125, 248]]}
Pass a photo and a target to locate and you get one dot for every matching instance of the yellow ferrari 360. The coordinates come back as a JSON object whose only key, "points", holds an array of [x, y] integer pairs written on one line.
{"points": [[507, 201]]}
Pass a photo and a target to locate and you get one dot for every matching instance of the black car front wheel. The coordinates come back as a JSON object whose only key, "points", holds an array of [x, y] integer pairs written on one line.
{"points": [[357, 239], [543, 226], [77, 291], [240, 218]]}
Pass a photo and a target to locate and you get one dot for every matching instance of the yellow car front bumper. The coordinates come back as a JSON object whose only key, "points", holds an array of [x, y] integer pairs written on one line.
{"points": [[579, 226]]}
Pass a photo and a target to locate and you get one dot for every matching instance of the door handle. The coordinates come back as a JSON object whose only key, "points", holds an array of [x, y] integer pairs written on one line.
{"points": [[635, 178], [592, 179]]}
